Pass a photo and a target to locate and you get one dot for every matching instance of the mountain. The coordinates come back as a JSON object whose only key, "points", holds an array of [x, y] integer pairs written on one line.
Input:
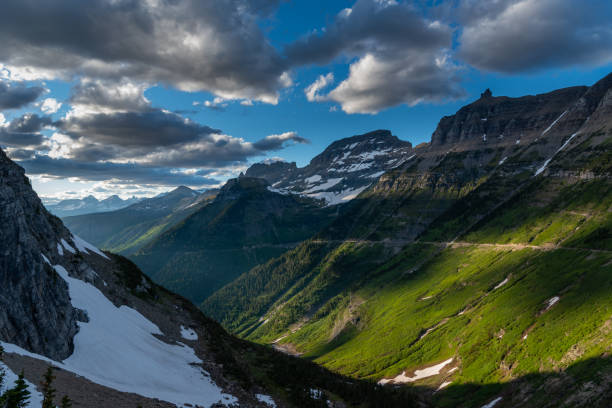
{"points": [[246, 224], [89, 204], [128, 229], [343, 170], [481, 267], [115, 339]]}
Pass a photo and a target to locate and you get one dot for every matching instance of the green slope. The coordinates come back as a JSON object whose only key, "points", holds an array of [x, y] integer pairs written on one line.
{"points": [[126, 230], [461, 257], [244, 226]]}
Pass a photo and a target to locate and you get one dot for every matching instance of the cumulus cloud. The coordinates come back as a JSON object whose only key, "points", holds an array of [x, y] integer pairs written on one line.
{"points": [[16, 95], [152, 128], [216, 46], [117, 173], [312, 91], [216, 104], [277, 142], [401, 57], [50, 106], [97, 96], [24, 131], [511, 36]]}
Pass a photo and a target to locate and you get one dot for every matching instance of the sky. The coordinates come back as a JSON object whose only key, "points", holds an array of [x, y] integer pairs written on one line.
{"points": [[134, 97]]}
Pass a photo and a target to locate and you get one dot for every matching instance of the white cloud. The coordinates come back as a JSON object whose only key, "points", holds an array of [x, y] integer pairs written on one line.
{"points": [[522, 35], [312, 91], [375, 83], [50, 106]]}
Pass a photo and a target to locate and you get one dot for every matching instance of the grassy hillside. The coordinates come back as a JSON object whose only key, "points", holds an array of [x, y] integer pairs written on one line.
{"points": [[506, 274], [244, 226]]}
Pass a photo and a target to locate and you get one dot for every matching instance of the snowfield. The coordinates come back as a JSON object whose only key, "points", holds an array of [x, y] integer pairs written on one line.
{"points": [[117, 348], [418, 374]]}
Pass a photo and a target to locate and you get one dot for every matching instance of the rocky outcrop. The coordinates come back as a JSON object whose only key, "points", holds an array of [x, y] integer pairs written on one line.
{"points": [[493, 121], [341, 171], [35, 309]]}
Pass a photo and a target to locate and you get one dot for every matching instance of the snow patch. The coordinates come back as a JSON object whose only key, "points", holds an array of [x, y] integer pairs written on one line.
{"points": [[418, 374], [45, 259], [335, 197], [67, 246], [60, 250], [358, 167], [500, 284], [188, 333], [313, 179], [316, 394], [377, 174], [328, 184], [117, 348], [444, 385], [266, 399], [541, 169], [492, 403], [502, 161], [36, 398], [84, 246], [554, 123], [551, 302]]}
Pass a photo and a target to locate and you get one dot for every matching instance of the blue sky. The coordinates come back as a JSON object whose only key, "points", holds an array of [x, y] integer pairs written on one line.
{"points": [[227, 85]]}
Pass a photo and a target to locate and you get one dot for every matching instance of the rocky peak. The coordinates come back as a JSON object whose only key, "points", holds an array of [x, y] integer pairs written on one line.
{"points": [[494, 121], [344, 169], [271, 171], [35, 309], [238, 187], [486, 94]]}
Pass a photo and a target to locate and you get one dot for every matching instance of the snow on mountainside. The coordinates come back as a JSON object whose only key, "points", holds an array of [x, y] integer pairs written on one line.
{"points": [[117, 347], [342, 171], [65, 303]]}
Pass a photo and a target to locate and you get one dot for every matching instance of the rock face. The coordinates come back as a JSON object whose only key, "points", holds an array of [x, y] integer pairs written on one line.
{"points": [[35, 309], [502, 120], [341, 171]]}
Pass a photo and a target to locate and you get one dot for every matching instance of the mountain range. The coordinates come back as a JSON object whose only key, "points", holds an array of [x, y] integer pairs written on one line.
{"points": [[113, 338], [128, 229], [471, 271], [89, 204], [485, 257]]}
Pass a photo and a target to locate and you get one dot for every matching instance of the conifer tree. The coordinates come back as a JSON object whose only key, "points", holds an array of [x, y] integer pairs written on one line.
{"points": [[66, 403], [47, 389], [18, 396]]}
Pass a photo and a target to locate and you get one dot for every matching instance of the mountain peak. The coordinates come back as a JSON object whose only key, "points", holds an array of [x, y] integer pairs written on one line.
{"points": [[237, 187]]}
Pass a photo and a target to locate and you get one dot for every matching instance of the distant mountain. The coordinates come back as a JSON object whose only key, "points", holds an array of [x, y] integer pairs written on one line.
{"points": [[246, 224], [486, 258], [89, 204], [128, 229], [115, 339], [343, 170]]}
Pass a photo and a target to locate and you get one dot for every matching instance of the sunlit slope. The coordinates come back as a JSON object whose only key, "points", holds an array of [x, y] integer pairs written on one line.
{"points": [[510, 279]]}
